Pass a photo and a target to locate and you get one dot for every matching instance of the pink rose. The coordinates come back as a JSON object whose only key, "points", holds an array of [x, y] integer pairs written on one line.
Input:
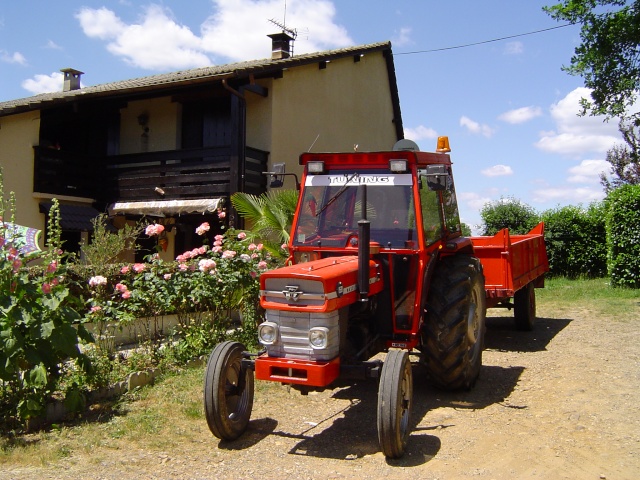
{"points": [[154, 229], [167, 276], [206, 264], [125, 269], [46, 288], [219, 238], [183, 267], [252, 247], [221, 214], [139, 267], [95, 309], [126, 294], [262, 265], [242, 236], [121, 287], [203, 228], [52, 267], [97, 280]]}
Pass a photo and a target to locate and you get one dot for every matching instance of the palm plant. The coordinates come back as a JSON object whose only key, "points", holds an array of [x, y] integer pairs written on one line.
{"points": [[269, 215]]}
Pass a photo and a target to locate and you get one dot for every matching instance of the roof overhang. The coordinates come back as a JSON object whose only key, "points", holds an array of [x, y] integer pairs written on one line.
{"points": [[163, 208]]}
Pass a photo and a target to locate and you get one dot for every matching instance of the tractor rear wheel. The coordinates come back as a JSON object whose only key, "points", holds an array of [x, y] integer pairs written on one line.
{"points": [[524, 307], [395, 394], [454, 326], [228, 391]]}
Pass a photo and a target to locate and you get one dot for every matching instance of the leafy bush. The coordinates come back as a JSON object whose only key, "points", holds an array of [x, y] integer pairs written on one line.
{"points": [[576, 241], [37, 334], [623, 236], [509, 213]]}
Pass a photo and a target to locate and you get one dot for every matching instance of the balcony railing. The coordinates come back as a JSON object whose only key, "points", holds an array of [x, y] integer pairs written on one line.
{"points": [[181, 174]]}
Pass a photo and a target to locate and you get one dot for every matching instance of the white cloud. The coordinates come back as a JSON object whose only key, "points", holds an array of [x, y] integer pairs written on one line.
{"points": [[514, 48], [402, 38], [52, 45], [44, 83], [588, 171], [497, 171], [15, 57], [420, 133], [520, 115], [576, 135], [568, 195], [157, 42], [236, 30], [475, 127], [473, 200], [221, 35]]}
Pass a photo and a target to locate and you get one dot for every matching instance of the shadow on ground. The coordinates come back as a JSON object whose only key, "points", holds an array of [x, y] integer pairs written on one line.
{"points": [[502, 336]]}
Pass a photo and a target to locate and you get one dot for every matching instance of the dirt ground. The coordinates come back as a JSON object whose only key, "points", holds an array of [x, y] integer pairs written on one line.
{"points": [[560, 402]]}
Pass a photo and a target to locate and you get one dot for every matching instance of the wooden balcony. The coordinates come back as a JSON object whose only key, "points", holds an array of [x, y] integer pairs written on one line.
{"points": [[210, 172]]}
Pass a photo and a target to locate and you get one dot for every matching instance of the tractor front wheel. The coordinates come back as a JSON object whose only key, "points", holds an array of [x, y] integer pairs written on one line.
{"points": [[454, 326], [395, 394], [228, 391]]}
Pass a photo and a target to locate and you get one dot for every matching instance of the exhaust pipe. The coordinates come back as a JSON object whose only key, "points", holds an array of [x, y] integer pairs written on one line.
{"points": [[364, 235]]}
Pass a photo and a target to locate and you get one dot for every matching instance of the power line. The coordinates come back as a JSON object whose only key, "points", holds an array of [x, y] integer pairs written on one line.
{"points": [[485, 41]]}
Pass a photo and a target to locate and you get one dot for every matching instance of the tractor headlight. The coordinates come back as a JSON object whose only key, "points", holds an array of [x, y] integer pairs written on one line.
{"points": [[318, 337], [268, 333]]}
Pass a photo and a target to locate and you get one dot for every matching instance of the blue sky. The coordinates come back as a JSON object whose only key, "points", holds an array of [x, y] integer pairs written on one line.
{"points": [[509, 110]]}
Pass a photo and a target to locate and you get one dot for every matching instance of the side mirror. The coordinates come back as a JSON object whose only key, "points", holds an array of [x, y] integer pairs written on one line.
{"points": [[277, 175], [437, 177]]}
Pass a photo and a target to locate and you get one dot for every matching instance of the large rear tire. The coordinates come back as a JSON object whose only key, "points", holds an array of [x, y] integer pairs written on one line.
{"points": [[228, 391], [524, 307], [454, 326], [395, 394]]}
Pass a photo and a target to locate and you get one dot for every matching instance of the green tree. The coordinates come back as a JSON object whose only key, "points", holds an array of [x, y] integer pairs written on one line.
{"points": [[509, 213], [624, 159], [607, 58]]}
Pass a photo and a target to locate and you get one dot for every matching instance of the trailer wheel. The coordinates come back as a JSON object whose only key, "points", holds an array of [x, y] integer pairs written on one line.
{"points": [[524, 307], [395, 394], [228, 391], [454, 326]]}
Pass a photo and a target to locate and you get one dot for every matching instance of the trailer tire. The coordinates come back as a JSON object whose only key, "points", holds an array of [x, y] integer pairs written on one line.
{"points": [[228, 391], [524, 307], [454, 327], [395, 396]]}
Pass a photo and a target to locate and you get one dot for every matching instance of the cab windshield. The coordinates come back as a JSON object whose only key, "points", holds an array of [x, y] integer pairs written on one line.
{"points": [[333, 204]]}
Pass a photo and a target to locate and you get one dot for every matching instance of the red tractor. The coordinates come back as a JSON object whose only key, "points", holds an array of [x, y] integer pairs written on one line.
{"points": [[377, 264]]}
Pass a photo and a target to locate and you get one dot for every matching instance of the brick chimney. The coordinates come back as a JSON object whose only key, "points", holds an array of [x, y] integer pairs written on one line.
{"points": [[71, 79], [280, 45]]}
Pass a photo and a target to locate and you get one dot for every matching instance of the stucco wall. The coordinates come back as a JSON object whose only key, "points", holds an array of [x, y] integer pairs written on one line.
{"points": [[18, 135], [162, 115], [348, 103]]}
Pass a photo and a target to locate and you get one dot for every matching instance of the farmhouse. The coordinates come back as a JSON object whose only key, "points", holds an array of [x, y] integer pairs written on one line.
{"points": [[173, 147]]}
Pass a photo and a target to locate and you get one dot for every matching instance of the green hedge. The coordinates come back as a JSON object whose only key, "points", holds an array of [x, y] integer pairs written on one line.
{"points": [[623, 236], [576, 241]]}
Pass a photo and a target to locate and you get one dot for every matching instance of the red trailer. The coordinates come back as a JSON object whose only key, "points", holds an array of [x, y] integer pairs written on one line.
{"points": [[514, 265]]}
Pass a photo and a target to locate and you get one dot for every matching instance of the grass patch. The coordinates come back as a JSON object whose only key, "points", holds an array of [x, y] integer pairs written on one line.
{"points": [[594, 294]]}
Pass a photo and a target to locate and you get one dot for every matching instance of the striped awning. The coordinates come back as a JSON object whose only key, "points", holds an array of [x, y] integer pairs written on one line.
{"points": [[162, 208]]}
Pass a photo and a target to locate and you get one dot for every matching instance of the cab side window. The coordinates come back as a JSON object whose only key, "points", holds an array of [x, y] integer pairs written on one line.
{"points": [[431, 212]]}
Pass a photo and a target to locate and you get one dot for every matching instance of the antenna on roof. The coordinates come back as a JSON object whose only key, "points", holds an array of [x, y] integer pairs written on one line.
{"points": [[293, 33]]}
